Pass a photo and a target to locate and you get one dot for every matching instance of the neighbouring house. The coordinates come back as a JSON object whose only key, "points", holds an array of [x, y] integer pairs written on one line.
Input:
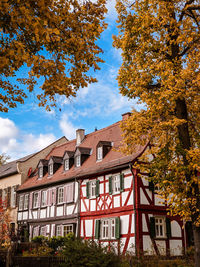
{"points": [[88, 187], [13, 174]]}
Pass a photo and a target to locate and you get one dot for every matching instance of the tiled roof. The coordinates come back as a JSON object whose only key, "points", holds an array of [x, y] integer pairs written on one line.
{"points": [[11, 167], [91, 166]]}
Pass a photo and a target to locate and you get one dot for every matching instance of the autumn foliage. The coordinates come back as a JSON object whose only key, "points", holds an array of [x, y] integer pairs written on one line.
{"points": [[160, 42], [55, 40], [4, 224]]}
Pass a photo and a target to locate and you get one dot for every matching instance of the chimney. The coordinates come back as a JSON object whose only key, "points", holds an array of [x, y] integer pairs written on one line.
{"points": [[126, 115], [80, 135]]}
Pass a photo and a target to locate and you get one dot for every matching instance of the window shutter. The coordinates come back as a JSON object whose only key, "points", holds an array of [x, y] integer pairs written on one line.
{"points": [[152, 227], [39, 199], [97, 229], [70, 193], [168, 228], [53, 230], [117, 227], [151, 186], [121, 182], [97, 188], [110, 185], [87, 189], [66, 192], [31, 200], [8, 196], [55, 197]]}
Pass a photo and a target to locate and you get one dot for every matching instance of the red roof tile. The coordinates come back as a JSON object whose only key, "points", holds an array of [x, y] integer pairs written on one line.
{"points": [[113, 158]]}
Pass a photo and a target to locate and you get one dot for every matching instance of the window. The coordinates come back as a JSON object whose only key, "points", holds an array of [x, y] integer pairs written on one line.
{"points": [[116, 183], [43, 231], [108, 228], [44, 198], [40, 172], [160, 227], [92, 189], [36, 200], [66, 164], [13, 197], [35, 231], [58, 230], [51, 169], [21, 200], [78, 161], [60, 195], [26, 202], [99, 153], [67, 229]]}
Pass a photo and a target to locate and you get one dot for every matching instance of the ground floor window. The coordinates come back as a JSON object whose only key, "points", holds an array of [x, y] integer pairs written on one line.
{"points": [[67, 229], [160, 227], [107, 228], [58, 230]]}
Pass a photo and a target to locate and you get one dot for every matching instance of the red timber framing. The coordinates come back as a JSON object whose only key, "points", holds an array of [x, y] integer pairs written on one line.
{"points": [[148, 205], [106, 206]]}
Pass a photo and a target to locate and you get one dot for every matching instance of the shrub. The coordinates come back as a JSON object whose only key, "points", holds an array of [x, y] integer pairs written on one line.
{"points": [[37, 252], [78, 252], [41, 240]]}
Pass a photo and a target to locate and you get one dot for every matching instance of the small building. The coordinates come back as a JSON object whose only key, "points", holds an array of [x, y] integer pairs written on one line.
{"points": [[14, 173], [87, 186]]}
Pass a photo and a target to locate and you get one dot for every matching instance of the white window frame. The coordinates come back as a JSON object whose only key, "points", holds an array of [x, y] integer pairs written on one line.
{"points": [[60, 195], [43, 231], [13, 197], [40, 172], [92, 189], [107, 228], [58, 230], [44, 199], [35, 200], [99, 153], [66, 164], [51, 169], [78, 161], [26, 198], [67, 230], [160, 227], [21, 202], [116, 183]]}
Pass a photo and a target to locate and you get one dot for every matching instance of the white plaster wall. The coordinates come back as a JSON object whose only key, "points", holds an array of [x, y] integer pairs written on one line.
{"points": [[143, 199], [176, 247], [131, 245], [43, 213], [25, 215], [127, 171], [144, 224], [101, 188], [93, 204], [127, 181], [124, 197], [81, 230], [83, 190], [161, 244], [59, 211], [48, 228], [48, 209], [122, 243], [124, 224], [101, 178], [52, 211], [130, 201], [88, 227], [175, 229], [30, 214], [69, 209], [144, 180], [76, 191], [52, 226], [82, 206], [133, 224], [19, 217], [159, 201], [148, 246], [34, 213], [116, 201]]}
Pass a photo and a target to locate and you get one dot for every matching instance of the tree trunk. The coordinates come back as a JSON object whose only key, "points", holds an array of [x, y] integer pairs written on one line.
{"points": [[196, 232]]}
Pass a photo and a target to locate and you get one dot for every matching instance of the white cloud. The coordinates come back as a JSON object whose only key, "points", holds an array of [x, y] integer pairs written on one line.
{"points": [[68, 129], [16, 144]]}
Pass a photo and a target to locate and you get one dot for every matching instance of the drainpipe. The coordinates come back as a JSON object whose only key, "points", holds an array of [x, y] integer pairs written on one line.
{"points": [[134, 206]]}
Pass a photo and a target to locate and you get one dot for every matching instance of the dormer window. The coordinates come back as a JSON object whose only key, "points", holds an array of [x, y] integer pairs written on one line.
{"points": [[51, 169], [103, 147], [66, 163], [99, 153], [40, 172], [78, 161]]}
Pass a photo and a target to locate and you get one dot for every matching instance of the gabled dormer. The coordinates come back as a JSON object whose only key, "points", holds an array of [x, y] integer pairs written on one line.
{"points": [[68, 160], [54, 164], [42, 168], [81, 154], [103, 147]]}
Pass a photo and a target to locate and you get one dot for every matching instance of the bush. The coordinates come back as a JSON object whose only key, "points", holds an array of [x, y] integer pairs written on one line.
{"points": [[37, 252], [41, 240], [78, 252]]}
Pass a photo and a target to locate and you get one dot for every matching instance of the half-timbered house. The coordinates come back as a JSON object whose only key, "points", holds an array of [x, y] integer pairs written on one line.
{"points": [[87, 186]]}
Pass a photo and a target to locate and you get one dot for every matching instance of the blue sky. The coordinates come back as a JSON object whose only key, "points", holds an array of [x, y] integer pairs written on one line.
{"points": [[28, 128]]}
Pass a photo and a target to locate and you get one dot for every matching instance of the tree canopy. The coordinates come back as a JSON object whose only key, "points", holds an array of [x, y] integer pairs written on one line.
{"points": [[160, 42], [3, 159], [55, 40]]}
